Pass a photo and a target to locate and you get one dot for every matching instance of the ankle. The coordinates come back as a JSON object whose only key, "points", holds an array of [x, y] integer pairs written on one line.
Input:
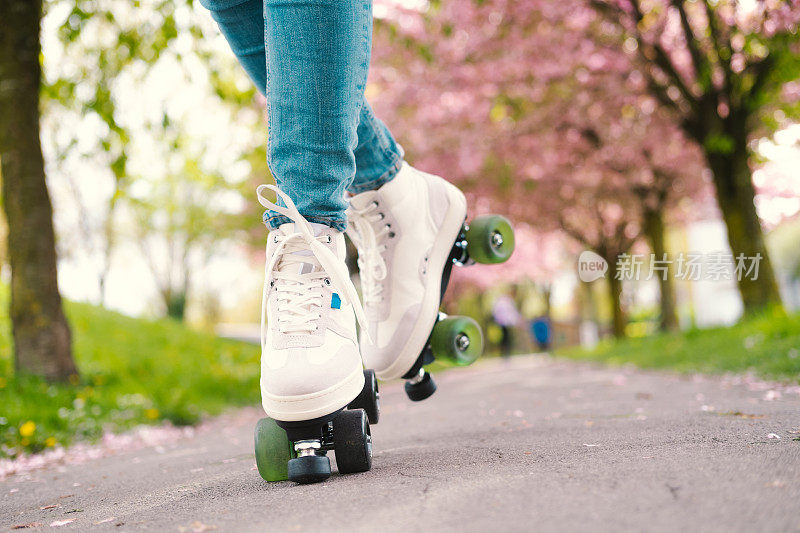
{"points": [[359, 187]]}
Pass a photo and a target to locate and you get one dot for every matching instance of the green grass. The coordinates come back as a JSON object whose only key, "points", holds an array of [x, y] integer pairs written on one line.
{"points": [[132, 372], [768, 345]]}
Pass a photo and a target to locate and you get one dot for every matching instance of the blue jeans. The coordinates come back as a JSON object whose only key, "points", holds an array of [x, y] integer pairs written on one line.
{"points": [[310, 59]]}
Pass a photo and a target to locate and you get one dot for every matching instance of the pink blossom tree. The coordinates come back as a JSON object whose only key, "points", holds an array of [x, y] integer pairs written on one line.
{"points": [[567, 140], [728, 70]]}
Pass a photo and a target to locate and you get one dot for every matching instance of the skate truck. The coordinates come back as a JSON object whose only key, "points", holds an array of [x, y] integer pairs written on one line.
{"points": [[297, 451]]}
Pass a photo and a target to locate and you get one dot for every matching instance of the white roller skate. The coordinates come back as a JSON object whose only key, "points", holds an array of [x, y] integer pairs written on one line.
{"points": [[409, 233], [311, 367]]}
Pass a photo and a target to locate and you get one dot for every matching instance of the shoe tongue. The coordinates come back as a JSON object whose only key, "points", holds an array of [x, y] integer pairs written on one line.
{"points": [[361, 200], [312, 265], [290, 228]]}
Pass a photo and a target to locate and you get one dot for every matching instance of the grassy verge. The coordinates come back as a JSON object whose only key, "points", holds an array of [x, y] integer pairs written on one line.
{"points": [[132, 372], [768, 345]]}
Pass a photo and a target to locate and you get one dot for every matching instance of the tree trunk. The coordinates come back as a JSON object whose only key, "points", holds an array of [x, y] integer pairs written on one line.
{"points": [[176, 305], [619, 320], [547, 296], [40, 331], [654, 229], [588, 309], [735, 194]]}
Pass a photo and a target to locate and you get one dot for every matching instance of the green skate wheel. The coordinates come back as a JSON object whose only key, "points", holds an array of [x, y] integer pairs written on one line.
{"points": [[490, 239], [457, 339], [273, 450]]}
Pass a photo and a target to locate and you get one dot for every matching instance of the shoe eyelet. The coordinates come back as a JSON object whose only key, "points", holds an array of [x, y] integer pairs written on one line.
{"points": [[388, 226], [272, 283], [327, 281], [382, 216], [275, 239], [375, 203], [329, 239], [391, 235]]}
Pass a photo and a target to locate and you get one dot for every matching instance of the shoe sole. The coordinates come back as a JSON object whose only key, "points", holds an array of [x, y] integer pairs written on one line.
{"points": [[316, 404], [429, 311]]}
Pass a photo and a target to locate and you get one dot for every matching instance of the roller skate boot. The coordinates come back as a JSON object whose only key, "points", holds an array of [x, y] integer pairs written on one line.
{"points": [[311, 368], [409, 233]]}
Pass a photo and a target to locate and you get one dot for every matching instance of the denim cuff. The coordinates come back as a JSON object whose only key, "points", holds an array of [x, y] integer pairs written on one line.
{"points": [[273, 220], [220, 5], [386, 177]]}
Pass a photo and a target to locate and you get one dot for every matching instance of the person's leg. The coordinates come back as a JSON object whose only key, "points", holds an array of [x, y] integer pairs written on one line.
{"points": [[317, 60], [242, 24], [505, 341], [310, 59], [378, 156]]}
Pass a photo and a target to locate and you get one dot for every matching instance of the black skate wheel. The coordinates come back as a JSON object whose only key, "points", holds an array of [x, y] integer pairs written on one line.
{"points": [[417, 392], [309, 469], [352, 442], [368, 399]]}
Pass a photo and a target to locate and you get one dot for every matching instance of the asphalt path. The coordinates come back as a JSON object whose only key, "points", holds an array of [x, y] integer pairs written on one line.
{"points": [[529, 443]]}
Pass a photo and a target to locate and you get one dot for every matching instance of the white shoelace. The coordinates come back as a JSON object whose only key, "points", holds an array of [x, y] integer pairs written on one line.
{"points": [[371, 245], [300, 296]]}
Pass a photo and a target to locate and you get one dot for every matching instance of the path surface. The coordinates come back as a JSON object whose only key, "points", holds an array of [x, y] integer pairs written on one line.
{"points": [[524, 444]]}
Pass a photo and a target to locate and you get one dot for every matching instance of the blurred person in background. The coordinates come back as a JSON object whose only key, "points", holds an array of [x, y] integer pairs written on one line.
{"points": [[506, 315], [335, 163], [541, 332]]}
